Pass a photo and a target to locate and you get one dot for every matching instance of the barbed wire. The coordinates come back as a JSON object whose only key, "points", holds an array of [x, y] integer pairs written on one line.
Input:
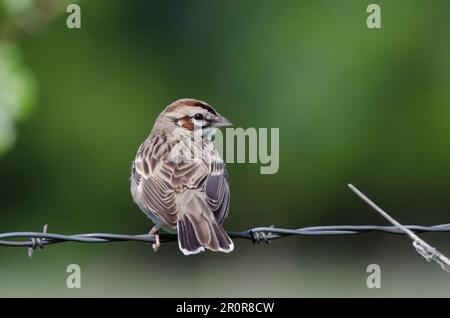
{"points": [[256, 235]]}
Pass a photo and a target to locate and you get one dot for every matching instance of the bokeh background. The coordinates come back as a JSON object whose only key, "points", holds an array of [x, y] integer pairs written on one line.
{"points": [[371, 107]]}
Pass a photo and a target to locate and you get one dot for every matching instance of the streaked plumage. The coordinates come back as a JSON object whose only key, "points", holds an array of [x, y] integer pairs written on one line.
{"points": [[179, 180]]}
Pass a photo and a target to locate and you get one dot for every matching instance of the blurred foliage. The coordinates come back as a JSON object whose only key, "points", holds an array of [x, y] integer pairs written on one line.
{"points": [[17, 92], [15, 7], [371, 107], [18, 87]]}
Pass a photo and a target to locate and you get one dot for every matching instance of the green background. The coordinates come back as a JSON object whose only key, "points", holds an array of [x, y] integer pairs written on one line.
{"points": [[370, 107]]}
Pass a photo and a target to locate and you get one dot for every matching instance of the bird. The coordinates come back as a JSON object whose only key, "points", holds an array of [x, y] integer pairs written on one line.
{"points": [[179, 180]]}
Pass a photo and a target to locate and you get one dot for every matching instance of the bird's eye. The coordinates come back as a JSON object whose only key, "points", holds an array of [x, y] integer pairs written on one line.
{"points": [[198, 117]]}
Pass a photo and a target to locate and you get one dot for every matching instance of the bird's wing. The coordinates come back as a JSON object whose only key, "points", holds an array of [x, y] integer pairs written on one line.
{"points": [[152, 188], [218, 194]]}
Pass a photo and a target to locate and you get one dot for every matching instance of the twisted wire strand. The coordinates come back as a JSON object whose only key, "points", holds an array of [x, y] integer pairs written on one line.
{"points": [[256, 235]]}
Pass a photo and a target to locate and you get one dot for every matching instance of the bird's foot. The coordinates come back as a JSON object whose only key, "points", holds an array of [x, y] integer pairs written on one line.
{"points": [[155, 232]]}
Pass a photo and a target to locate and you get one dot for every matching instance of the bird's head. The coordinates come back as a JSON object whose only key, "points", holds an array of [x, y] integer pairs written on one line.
{"points": [[193, 115]]}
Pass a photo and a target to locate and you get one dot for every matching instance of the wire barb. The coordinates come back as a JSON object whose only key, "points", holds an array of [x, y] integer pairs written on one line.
{"points": [[37, 241], [259, 235], [432, 255]]}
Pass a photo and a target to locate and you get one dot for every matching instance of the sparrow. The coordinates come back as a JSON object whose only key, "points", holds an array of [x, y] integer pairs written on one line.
{"points": [[179, 180]]}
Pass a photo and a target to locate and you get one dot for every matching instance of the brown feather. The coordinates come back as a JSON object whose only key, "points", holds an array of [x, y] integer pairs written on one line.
{"points": [[192, 103], [186, 122]]}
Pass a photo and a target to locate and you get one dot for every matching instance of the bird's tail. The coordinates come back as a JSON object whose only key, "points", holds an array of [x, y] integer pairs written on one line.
{"points": [[198, 230]]}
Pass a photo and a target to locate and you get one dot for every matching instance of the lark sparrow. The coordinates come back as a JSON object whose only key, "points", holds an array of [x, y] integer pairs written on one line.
{"points": [[179, 180]]}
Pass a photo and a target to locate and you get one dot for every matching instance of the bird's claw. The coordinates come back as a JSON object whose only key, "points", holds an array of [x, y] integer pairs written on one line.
{"points": [[155, 232], [157, 243]]}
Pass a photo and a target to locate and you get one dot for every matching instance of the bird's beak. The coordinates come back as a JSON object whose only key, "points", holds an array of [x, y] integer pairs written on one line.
{"points": [[221, 121]]}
